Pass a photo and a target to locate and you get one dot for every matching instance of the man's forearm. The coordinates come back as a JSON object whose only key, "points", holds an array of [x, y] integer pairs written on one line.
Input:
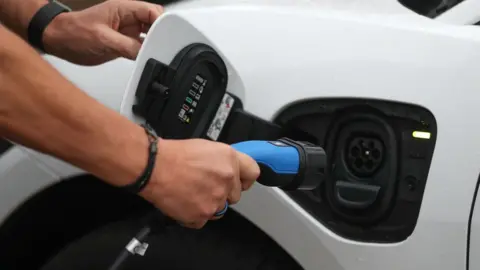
{"points": [[42, 110], [16, 14]]}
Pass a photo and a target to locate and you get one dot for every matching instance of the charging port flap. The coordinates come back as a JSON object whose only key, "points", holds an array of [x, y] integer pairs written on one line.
{"points": [[180, 99]]}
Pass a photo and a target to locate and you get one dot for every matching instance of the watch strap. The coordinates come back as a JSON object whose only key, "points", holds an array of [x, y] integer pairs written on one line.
{"points": [[42, 18]]}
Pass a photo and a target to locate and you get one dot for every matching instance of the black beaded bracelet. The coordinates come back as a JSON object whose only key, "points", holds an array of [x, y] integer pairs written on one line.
{"points": [[144, 178]]}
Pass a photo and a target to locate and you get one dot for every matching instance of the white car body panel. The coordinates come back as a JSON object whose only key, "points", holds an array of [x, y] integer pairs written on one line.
{"points": [[474, 262], [335, 53]]}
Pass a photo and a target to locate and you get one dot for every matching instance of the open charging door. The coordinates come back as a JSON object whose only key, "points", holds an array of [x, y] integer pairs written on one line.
{"points": [[181, 84]]}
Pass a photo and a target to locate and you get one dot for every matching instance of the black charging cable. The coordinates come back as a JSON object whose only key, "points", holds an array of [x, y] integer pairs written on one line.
{"points": [[155, 223], [139, 238]]}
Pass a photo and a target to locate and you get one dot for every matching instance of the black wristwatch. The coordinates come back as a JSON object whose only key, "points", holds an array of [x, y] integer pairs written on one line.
{"points": [[42, 18]]}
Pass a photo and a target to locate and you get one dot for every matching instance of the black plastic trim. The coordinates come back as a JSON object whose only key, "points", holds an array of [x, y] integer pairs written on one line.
{"points": [[430, 8], [314, 117], [470, 218], [167, 95], [188, 59], [4, 146]]}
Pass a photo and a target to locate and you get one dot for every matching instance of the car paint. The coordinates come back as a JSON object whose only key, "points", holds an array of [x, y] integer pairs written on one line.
{"points": [[336, 53]]}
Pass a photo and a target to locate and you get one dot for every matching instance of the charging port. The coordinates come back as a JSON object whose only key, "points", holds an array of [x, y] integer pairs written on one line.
{"points": [[379, 155], [364, 155], [363, 173]]}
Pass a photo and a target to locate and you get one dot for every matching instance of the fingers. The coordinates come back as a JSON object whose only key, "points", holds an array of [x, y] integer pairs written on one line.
{"points": [[223, 209], [236, 184], [249, 170], [124, 46], [141, 12], [134, 16], [235, 192]]}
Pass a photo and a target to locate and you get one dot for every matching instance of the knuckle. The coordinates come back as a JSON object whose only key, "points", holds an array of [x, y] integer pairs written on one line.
{"points": [[231, 152], [227, 151], [235, 198], [233, 155], [256, 172], [207, 211], [98, 33], [199, 225], [218, 193], [227, 173]]}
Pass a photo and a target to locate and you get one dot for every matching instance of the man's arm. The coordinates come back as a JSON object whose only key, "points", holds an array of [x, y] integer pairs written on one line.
{"points": [[88, 37], [192, 179], [42, 110], [16, 14]]}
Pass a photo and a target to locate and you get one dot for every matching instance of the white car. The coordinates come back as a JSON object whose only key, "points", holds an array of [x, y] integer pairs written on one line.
{"points": [[398, 82]]}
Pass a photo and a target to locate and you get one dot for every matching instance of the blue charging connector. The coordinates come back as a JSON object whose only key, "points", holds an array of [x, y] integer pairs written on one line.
{"points": [[277, 156], [287, 164]]}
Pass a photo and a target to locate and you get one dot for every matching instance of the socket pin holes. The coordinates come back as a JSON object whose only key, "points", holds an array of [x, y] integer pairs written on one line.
{"points": [[364, 155]]}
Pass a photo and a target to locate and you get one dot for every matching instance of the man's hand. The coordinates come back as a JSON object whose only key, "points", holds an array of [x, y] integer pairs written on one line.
{"points": [[41, 110], [194, 178], [101, 33]]}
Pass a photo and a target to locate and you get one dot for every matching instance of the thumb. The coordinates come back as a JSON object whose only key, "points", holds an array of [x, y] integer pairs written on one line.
{"points": [[122, 45]]}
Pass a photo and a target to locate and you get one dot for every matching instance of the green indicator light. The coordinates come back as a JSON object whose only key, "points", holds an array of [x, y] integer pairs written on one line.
{"points": [[189, 100], [421, 135]]}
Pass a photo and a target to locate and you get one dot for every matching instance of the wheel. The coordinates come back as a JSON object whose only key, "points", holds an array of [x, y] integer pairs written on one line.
{"points": [[230, 243]]}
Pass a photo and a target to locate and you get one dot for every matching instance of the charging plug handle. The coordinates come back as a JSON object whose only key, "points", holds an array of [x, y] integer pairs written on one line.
{"points": [[287, 164]]}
